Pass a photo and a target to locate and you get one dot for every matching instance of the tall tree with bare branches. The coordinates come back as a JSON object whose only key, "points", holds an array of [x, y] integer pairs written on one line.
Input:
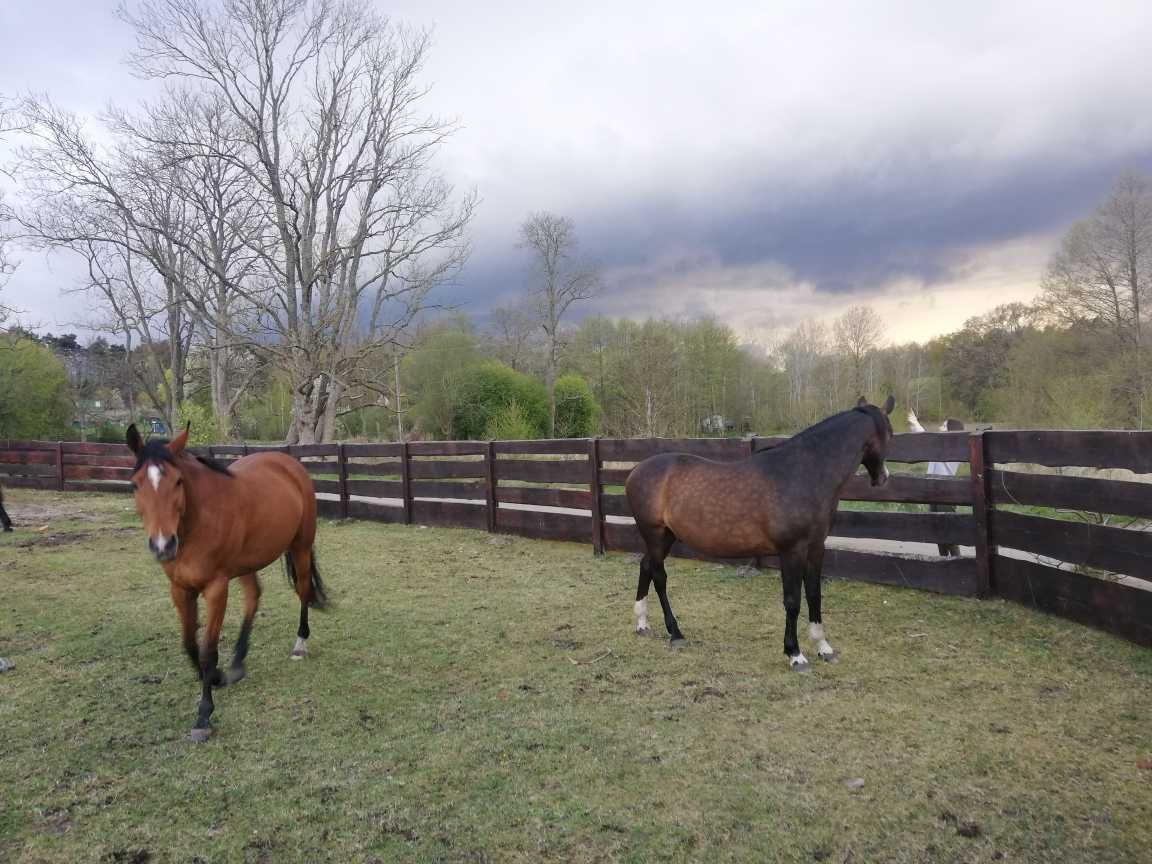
{"points": [[1102, 273], [560, 281], [859, 332], [324, 97]]}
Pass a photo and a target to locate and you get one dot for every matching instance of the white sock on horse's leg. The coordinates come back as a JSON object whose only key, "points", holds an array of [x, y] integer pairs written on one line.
{"points": [[640, 611], [300, 649], [816, 634]]}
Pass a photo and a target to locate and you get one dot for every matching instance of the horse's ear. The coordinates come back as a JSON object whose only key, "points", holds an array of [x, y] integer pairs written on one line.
{"points": [[889, 404], [133, 440], [861, 402], [177, 445]]}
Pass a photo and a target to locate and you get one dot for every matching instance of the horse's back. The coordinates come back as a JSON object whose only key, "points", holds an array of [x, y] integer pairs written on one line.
{"points": [[272, 462], [721, 508], [281, 485]]}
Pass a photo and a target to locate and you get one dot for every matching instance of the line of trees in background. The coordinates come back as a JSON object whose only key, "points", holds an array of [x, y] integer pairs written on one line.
{"points": [[1074, 358]]}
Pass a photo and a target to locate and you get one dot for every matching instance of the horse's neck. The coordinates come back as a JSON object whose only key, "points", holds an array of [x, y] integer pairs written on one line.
{"points": [[825, 458], [201, 487]]}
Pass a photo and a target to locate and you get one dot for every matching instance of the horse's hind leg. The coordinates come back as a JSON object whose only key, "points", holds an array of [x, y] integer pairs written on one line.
{"points": [[812, 591], [658, 547], [793, 565], [299, 563], [302, 570], [640, 607], [5, 522], [251, 585]]}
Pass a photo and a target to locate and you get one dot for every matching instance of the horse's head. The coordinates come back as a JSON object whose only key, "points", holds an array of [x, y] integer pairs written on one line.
{"points": [[876, 446], [159, 486]]}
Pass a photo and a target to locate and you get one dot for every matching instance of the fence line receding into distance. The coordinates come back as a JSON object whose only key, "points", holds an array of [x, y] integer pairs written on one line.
{"points": [[1012, 509]]}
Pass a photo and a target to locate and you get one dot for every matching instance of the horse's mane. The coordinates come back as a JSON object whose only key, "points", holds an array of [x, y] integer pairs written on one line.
{"points": [[821, 427], [156, 450]]}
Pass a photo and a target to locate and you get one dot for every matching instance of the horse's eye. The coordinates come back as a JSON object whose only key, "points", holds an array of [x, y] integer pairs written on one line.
{"points": [[179, 481]]}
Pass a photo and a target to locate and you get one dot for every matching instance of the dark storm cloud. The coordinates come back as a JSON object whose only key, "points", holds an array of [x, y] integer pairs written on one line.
{"points": [[854, 237]]}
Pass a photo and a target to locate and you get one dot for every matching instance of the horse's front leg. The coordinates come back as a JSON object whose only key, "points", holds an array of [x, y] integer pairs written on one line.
{"points": [[184, 599], [812, 592], [215, 601], [792, 568]]}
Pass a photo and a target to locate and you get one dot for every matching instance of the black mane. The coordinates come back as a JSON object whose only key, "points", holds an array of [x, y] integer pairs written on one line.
{"points": [[156, 450], [822, 426]]}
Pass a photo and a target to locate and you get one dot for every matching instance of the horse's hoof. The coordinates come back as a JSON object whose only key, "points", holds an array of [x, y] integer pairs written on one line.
{"points": [[678, 643], [798, 663], [830, 658], [300, 649], [234, 674], [199, 736], [643, 631]]}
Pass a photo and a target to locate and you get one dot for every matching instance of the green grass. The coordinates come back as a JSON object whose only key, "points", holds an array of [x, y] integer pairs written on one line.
{"points": [[461, 705]]}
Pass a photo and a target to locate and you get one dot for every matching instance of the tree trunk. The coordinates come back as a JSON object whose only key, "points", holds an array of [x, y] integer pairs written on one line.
{"points": [[550, 382]]}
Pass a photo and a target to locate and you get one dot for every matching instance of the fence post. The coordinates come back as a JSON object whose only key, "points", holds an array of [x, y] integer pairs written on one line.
{"points": [[60, 466], [490, 484], [343, 475], [981, 507], [406, 482], [594, 481]]}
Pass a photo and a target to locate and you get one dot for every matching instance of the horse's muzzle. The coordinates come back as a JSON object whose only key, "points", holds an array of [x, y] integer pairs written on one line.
{"points": [[165, 550]]}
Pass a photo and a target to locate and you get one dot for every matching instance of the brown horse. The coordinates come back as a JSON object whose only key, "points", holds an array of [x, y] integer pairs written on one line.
{"points": [[779, 502], [208, 524]]}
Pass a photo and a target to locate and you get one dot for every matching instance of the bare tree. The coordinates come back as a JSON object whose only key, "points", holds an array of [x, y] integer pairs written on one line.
{"points": [[124, 216], [7, 263], [323, 97], [801, 354], [512, 335], [1103, 272], [551, 240], [222, 290], [859, 332]]}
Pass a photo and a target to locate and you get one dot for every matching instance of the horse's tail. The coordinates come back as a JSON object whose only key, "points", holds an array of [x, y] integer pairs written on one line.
{"points": [[317, 597]]}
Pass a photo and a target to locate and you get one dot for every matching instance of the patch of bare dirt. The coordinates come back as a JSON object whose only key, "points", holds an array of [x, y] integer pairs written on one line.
{"points": [[34, 514]]}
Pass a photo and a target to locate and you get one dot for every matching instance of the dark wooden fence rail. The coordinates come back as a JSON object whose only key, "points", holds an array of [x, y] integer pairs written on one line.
{"points": [[573, 490]]}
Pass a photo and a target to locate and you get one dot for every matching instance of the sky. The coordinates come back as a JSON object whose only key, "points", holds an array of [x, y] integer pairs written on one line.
{"points": [[767, 163]]}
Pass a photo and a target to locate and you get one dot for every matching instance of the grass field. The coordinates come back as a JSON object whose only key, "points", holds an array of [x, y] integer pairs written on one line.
{"points": [[480, 699]]}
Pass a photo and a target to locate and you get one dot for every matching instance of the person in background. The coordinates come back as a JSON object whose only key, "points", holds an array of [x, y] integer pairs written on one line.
{"points": [[941, 469]]}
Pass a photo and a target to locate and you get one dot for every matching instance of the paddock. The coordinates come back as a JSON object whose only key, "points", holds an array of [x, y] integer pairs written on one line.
{"points": [[478, 697]]}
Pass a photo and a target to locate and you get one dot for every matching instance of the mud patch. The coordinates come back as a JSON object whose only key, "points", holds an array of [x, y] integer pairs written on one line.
{"points": [[61, 538]]}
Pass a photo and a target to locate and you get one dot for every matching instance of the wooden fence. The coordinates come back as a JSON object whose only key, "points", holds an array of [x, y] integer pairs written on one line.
{"points": [[1034, 532]]}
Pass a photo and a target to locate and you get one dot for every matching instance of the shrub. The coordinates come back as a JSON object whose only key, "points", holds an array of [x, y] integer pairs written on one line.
{"points": [[577, 414], [489, 389]]}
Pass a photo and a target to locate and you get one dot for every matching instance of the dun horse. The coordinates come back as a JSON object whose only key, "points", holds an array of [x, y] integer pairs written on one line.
{"points": [[207, 525], [779, 502]]}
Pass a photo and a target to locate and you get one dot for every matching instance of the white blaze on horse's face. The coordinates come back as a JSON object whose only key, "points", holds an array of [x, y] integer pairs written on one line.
{"points": [[160, 502]]}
